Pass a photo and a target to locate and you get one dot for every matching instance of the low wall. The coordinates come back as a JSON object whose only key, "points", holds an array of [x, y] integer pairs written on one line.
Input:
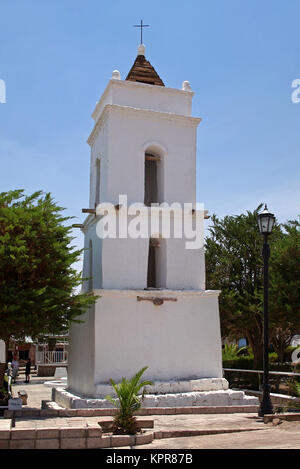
{"points": [[277, 399], [68, 438], [49, 370]]}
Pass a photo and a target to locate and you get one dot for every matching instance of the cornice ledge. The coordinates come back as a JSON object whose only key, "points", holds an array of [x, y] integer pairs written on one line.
{"points": [[101, 121], [124, 83], [145, 112], [156, 293]]}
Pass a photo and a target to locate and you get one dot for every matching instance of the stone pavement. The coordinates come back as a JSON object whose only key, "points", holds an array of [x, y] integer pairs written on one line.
{"points": [[35, 389], [285, 436], [247, 431]]}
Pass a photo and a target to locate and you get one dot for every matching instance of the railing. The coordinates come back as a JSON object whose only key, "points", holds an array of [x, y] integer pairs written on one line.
{"points": [[277, 374], [51, 358]]}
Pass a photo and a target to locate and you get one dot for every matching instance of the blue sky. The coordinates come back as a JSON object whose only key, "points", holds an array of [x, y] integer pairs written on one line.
{"points": [[240, 57]]}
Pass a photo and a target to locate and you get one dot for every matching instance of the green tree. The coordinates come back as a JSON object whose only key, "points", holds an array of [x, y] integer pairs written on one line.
{"points": [[234, 265], [285, 287], [37, 280]]}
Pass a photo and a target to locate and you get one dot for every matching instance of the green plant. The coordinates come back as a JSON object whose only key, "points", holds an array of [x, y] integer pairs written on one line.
{"points": [[279, 410], [5, 389], [294, 388], [231, 351], [128, 402]]}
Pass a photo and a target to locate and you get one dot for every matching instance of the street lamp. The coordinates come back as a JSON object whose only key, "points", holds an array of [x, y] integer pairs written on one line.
{"points": [[266, 222]]}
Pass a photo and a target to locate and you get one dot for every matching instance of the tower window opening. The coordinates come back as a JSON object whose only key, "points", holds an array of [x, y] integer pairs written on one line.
{"points": [[156, 274], [151, 183], [151, 275]]}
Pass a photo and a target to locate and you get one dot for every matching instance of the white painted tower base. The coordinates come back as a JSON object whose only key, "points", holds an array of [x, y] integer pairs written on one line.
{"points": [[126, 331], [178, 340]]}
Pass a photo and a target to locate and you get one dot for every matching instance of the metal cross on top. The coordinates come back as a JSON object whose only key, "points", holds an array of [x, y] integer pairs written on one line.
{"points": [[141, 26]]}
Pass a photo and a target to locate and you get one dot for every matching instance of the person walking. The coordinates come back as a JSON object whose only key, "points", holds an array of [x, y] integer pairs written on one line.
{"points": [[27, 370], [15, 368]]}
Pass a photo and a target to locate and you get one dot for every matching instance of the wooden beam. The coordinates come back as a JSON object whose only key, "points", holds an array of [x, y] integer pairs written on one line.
{"points": [[156, 300], [206, 216], [152, 157], [89, 210], [154, 244]]}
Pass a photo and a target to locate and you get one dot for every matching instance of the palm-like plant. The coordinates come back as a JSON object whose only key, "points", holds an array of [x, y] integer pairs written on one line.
{"points": [[128, 402], [231, 351]]}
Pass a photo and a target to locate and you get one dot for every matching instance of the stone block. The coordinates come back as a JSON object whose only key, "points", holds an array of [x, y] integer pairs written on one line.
{"points": [[46, 433], [105, 442], [67, 412], [23, 434], [49, 413], [72, 432], [4, 444], [184, 410], [22, 444], [145, 423], [93, 442], [94, 430], [144, 438], [4, 434], [73, 443], [85, 412], [122, 440], [47, 443]]}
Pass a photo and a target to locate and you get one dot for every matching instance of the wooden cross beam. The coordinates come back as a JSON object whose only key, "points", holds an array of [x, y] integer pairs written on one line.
{"points": [[157, 300]]}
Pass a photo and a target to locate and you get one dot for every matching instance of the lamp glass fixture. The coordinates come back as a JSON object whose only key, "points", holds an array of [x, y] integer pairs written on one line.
{"points": [[266, 221]]}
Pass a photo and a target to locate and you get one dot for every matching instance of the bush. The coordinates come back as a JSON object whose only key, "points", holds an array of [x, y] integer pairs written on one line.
{"points": [[242, 363]]}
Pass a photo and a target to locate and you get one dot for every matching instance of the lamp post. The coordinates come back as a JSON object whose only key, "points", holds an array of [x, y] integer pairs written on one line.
{"points": [[266, 222]]}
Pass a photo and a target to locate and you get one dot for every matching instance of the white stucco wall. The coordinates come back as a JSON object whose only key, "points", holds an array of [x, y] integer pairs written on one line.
{"points": [[81, 359], [123, 263], [144, 96], [130, 132], [177, 340]]}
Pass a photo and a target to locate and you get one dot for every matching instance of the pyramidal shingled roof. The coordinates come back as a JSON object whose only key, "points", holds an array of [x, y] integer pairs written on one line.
{"points": [[143, 72]]}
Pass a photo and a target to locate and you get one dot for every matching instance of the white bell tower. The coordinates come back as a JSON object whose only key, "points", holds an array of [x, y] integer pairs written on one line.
{"points": [[153, 308]]}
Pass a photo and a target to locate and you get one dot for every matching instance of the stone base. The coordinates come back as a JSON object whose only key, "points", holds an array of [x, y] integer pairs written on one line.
{"points": [[173, 387], [220, 398]]}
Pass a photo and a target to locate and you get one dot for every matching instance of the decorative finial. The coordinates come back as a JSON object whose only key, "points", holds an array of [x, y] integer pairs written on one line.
{"points": [[116, 75], [141, 26], [141, 49], [186, 86]]}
